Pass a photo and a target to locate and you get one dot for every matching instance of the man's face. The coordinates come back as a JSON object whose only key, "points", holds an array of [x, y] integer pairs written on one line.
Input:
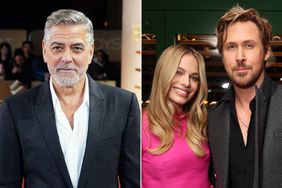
{"points": [[244, 55], [67, 54]]}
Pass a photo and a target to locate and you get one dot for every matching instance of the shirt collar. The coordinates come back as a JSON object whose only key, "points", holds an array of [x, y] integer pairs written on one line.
{"points": [[265, 86]]}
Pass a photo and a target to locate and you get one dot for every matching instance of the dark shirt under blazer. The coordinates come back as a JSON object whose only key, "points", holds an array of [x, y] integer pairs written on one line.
{"points": [[242, 157]]}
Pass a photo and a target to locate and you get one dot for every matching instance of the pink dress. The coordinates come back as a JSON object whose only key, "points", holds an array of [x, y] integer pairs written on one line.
{"points": [[178, 167]]}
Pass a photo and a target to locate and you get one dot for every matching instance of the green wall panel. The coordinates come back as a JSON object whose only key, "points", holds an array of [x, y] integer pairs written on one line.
{"points": [[167, 17], [153, 22], [187, 4], [210, 4], [275, 18], [272, 5], [190, 22]]}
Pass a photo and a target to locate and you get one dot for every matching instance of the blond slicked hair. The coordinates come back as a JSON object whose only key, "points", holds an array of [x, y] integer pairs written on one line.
{"points": [[161, 110]]}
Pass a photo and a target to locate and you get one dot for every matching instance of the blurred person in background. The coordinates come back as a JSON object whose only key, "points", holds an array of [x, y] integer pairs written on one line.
{"points": [[40, 69], [27, 67], [16, 71], [27, 47], [6, 61], [102, 69], [21, 69]]}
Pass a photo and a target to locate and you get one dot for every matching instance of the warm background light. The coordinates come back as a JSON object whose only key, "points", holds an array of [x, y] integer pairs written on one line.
{"points": [[131, 47]]}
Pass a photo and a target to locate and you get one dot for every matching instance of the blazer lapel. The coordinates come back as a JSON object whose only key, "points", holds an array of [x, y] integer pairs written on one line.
{"points": [[219, 126], [46, 118], [95, 129], [262, 100], [222, 146]]}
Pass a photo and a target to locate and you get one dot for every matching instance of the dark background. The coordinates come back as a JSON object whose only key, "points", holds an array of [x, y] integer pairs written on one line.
{"points": [[30, 15]]}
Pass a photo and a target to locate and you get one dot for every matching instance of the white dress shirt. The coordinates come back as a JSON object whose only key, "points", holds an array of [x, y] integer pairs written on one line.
{"points": [[73, 141]]}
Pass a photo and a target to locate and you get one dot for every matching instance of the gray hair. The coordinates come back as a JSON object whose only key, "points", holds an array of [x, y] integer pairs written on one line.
{"points": [[69, 17]]}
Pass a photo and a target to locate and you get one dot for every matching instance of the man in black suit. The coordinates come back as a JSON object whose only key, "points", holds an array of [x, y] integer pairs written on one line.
{"points": [[70, 131]]}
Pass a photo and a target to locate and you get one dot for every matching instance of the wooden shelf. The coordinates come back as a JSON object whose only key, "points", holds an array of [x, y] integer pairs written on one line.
{"points": [[199, 42], [148, 52], [276, 43], [274, 64], [151, 41], [148, 63]]}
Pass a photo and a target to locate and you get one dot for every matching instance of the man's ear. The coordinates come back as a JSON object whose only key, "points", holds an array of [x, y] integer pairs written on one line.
{"points": [[267, 53], [91, 51], [43, 51]]}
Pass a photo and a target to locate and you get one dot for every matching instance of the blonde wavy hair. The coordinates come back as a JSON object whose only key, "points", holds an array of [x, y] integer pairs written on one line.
{"points": [[161, 110]]}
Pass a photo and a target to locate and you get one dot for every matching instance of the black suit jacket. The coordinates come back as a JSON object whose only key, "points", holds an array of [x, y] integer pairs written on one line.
{"points": [[30, 147]]}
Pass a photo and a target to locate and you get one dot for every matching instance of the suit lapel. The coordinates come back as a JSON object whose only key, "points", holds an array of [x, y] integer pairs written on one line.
{"points": [[95, 129], [46, 118], [219, 126], [222, 147], [226, 139], [262, 100]]}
